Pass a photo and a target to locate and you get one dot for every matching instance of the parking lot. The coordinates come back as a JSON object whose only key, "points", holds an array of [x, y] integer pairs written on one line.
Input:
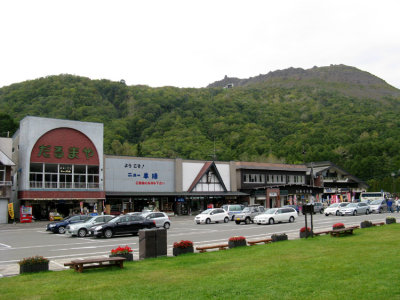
{"points": [[23, 240]]}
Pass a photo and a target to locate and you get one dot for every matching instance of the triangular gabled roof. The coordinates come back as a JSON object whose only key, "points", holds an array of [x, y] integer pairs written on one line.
{"points": [[5, 160], [207, 166]]}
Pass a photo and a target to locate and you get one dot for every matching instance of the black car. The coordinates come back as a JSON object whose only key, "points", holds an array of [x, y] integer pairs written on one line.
{"points": [[125, 224], [59, 227]]}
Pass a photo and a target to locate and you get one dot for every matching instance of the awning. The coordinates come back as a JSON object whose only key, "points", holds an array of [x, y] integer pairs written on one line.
{"points": [[177, 194]]}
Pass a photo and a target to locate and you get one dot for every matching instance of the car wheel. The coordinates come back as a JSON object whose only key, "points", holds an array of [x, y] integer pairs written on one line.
{"points": [[367, 212], [226, 220], [237, 222], [291, 219], [247, 220], [61, 229], [321, 211], [380, 210], [271, 221], [82, 232], [167, 225], [108, 233], [208, 221], [337, 212], [327, 215], [355, 213]]}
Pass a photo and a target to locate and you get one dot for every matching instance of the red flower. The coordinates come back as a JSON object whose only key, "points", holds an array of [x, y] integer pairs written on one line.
{"points": [[183, 244], [237, 238], [338, 226], [120, 250], [303, 229]]}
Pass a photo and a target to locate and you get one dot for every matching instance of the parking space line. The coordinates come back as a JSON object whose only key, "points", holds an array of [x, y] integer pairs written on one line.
{"points": [[4, 245]]}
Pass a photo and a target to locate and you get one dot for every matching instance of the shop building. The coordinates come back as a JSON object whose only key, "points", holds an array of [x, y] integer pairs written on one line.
{"points": [[60, 166], [338, 184], [275, 185], [174, 186], [6, 165]]}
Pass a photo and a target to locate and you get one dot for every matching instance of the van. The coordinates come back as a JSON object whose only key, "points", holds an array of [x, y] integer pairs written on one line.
{"points": [[233, 209]]}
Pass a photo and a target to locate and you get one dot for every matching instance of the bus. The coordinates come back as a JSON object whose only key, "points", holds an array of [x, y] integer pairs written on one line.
{"points": [[371, 196]]}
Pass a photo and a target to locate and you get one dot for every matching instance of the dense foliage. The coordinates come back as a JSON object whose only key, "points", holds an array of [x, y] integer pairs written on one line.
{"points": [[253, 123]]}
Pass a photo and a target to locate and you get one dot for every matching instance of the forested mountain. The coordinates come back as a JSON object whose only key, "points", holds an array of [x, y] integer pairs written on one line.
{"points": [[311, 118]]}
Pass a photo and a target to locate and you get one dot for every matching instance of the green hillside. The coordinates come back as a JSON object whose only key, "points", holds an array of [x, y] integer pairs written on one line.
{"points": [[311, 119]]}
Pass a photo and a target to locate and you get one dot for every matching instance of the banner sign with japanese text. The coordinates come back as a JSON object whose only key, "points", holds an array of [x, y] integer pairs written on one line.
{"points": [[139, 175]]}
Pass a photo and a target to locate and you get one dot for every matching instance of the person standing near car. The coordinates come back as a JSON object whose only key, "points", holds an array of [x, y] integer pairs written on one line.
{"points": [[397, 204], [389, 205]]}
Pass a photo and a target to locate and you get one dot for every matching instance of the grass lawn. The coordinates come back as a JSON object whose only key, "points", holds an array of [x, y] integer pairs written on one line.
{"points": [[363, 266]]}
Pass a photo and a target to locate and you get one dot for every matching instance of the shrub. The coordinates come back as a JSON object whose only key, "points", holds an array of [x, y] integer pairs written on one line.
{"points": [[237, 238], [338, 226], [33, 260], [183, 244]]}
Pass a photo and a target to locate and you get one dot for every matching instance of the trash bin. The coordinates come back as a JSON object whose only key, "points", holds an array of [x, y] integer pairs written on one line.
{"points": [[152, 243]]}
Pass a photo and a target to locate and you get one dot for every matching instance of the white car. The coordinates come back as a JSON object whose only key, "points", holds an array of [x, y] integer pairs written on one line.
{"points": [[276, 215], [160, 218], [355, 208], [334, 209], [212, 215]]}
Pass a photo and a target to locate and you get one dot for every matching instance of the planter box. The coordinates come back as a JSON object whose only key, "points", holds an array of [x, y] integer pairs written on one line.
{"points": [[390, 220], [279, 237], [233, 244], [366, 224], [129, 256], [34, 268], [179, 251], [306, 234]]}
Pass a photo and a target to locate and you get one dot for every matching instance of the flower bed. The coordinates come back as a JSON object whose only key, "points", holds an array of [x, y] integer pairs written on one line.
{"points": [[338, 226], [33, 264], [123, 252], [237, 241], [305, 232], [182, 247]]}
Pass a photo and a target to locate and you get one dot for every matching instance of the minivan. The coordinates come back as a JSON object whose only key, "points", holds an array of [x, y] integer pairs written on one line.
{"points": [[233, 209]]}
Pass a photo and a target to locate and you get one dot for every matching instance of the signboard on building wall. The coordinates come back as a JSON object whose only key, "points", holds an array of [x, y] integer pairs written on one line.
{"points": [[139, 175], [65, 145]]}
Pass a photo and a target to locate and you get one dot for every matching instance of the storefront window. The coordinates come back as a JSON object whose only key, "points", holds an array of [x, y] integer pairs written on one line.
{"points": [[63, 176]]}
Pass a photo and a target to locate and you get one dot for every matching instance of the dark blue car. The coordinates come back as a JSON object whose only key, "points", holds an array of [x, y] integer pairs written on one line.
{"points": [[59, 227]]}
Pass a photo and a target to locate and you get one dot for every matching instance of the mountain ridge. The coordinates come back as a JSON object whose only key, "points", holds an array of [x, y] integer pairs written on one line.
{"points": [[348, 80]]}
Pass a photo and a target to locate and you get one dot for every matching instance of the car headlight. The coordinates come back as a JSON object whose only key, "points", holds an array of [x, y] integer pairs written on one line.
{"points": [[98, 228], [52, 225]]}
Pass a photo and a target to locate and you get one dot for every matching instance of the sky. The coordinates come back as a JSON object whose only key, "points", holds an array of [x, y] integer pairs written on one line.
{"points": [[193, 43]]}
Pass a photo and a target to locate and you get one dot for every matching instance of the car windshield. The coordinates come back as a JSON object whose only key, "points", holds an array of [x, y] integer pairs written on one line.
{"points": [[246, 209], [334, 205], [343, 204], [352, 205], [206, 212], [270, 211], [376, 202]]}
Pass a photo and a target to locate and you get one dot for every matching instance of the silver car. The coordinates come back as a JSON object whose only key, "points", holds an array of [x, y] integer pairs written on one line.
{"points": [[354, 209], [160, 218], [378, 206], [248, 214], [83, 229]]}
